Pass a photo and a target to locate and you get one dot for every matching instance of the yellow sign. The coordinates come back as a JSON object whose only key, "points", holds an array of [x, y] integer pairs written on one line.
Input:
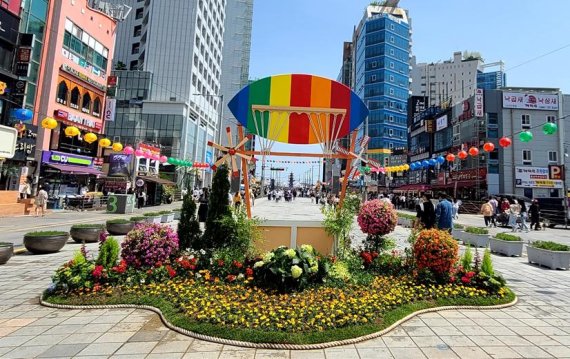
{"points": [[2, 87]]}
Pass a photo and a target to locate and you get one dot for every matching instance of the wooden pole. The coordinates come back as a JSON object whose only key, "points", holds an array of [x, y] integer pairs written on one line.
{"points": [[245, 174], [348, 169]]}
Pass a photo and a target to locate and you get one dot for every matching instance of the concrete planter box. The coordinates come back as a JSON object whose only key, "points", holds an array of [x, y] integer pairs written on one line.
{"points": [[508, 248], [166, 218], [6, 252], [176, 215], [405, 222], [153, 220], [550, 259], [87, 235], [120, 229], [45, 244], [475, 240]]}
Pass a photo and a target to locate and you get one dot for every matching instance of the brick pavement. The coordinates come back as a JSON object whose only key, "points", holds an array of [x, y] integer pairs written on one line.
{"points": [[537, 327]]}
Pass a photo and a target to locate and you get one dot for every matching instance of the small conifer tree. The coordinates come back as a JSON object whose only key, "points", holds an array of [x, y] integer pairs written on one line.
{"points": [[487, 264], [467, 259], [189, 233], [216, 233]]}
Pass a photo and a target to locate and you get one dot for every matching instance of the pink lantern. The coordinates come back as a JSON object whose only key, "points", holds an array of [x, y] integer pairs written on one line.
{"points": [[163, 159], [155, 157], [139, 153], [128, 150], [382, 170], [147, 154]]}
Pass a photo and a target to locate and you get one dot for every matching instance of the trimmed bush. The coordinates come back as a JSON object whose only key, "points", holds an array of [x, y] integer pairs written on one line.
{"points": [[88, 226], [151, 214], [435, 251], [120, 221], [149, 244], [189, 233], [550, 246], [508, 237], [108, 253], [137, 219], [164, 212], [46, 234], [476, 230], [216, 235]]}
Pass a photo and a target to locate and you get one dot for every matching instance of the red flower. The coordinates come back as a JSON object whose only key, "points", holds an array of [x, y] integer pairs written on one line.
{"points": [[465, 280], [470, 274], [220, 263], [452, 279], [374, 255], [230, 278], [121, 268], [249, 272], [237, 264], [366, 257], [98, 271], [171, 271], [158, 264]]}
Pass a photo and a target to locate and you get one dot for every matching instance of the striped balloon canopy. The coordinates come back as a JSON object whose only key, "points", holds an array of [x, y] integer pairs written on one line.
{"points": [[298, 109]]}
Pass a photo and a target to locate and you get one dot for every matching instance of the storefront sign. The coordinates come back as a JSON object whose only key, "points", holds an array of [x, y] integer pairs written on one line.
{"points": [[119, 164], [556, 172], [467, 111], [479, 103], [430, 126], [82, 76], [469, 175], [69, 117], [110, 106], [530, 101], [441, 123], [66, 158], [153, 150], [9, 24], [26, 142], [112, 81], [535, 177], [81, 62], [24, 54]]}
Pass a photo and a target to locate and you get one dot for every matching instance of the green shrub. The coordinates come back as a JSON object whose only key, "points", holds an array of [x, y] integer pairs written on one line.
{"points": [[476, 230], [189, 233], [467, 259], [120, 221], [338, 224], [247, 235], [352, 203], [151, 214], [406, 215], [165, 212], [487, 264], [88, 226], [551, 246], [508, 237], [108, 253], [177, 210], [458, 226], [216, 233], [46, 234], [137, 219]]}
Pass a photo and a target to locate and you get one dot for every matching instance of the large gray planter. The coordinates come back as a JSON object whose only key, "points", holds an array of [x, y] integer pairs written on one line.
{"points": [[475, 240], [156, 220], [508, 248], [550, 259], [405, 222], [6, 251], [177, 215], [120, 229], [86, 235], [45, 244], [166, 218]]}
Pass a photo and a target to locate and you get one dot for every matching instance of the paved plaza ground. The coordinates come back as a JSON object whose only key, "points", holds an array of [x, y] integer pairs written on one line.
{"points": [[537, 327]]}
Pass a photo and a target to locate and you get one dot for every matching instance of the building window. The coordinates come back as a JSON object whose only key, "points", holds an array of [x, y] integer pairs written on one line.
{"points": [[551, 119], [62, 92], [139, 13], [391, 78], [373, 78], [391, 65], [74, 100], [390, 145], [527, 157], [135, 48], [392, 39], [137, 31], [86, 103], [493, 118], [97, 107], [134, 65], [391, 118], [525, 122], [392, 52], [552, 156], [374, 64], [391, 91], [390, 132], [493, 132]]}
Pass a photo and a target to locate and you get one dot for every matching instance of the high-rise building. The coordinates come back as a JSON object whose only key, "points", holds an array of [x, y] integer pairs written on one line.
{"points": [[179, 42], [382, 43]]}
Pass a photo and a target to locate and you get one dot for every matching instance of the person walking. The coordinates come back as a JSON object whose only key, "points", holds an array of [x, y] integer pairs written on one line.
{"points": [[444, 213], [203, 209], [455, 205], [141, 197], [493, 202], [524, 217], [514, 213], [505, 211], [41, 201], [237, 200], [534, 211], [426, 212], [487, 212]]}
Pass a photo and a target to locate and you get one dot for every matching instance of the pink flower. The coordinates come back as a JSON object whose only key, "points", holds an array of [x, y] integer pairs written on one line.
{"points": [[98, 272]]}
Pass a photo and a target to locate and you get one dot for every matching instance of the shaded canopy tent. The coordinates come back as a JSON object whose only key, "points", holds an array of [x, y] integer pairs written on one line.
{"points": [[295, 109]]}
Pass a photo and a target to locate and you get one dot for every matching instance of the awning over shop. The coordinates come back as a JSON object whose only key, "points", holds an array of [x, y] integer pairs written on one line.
{"points": [[157, 180], [460, 184], [413, 187], [80, 170]]}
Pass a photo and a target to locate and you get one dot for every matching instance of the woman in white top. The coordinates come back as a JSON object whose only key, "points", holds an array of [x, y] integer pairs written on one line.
{"points": [[514, 212]]}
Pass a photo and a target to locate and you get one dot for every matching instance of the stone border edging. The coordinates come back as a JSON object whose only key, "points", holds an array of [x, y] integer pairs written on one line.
{"points": [[276, 345]]}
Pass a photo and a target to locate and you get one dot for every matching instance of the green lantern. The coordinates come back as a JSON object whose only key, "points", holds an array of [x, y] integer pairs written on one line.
{"points": [[549, 128], [525, 136], [170, 160]]}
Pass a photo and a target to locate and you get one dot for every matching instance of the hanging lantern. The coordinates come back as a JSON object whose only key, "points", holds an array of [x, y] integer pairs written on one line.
{"points": [[104, 142], [128, 150], [462, 155], [440, 159], [419, 165], [406, 167], [488, 147], [49, 123], [505, 142], [450, 157], [90, 137], [413, 166], [474, 151], [170, 160], [155, 157], [432, 162], [425, 163], [163, 159], [139, 153], [72, 131], [525, 136], [117, 147], [23, 114], [549, 128], [146, 154]]}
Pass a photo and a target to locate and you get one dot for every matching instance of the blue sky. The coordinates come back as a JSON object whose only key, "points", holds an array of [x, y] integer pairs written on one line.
{"points": [[306, 36]]}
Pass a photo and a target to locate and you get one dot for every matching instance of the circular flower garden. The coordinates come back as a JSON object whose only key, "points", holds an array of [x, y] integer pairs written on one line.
{"points": [[287, 295]]}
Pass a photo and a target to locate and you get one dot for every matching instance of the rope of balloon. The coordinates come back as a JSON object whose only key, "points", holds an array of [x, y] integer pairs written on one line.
{"points": [[548, 128], [72, 131]]}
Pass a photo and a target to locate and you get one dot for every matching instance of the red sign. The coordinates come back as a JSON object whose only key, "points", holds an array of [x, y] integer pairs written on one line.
{"points": [[81, 122], [153, 150], [24, 54], [112, 81], [201, 165], [441, 178], [556, 172], [469, 175]]}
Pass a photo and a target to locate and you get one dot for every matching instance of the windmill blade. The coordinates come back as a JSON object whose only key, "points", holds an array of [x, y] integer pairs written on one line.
{"points": [[229, 133], [221, 161], [242, 142], [245, 157], [234, 165], [218, 147]]}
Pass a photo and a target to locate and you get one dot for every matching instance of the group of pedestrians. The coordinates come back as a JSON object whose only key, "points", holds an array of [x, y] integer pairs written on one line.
{"points": [[439, 216], [512, 213]]}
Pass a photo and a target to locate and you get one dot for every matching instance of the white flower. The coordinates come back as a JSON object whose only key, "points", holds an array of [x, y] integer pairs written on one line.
{"points": [[258, 264], [307, 248], [202, 252], [314, 268], [240, 276], [296, 271], [198, 275], [142, 281], [211, 261], [268, 257], [290, 253], [191, 256]]}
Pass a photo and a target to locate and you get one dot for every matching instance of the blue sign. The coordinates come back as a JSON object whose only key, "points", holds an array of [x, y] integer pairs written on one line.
{"points": [[209, 160]]}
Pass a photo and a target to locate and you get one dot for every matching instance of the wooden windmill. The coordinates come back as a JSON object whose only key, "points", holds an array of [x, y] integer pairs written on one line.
{"points": [[230, 152]]}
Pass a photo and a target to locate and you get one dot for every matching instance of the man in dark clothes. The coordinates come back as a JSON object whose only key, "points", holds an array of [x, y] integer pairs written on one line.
{"points": [[426, 212], [534, 211]]}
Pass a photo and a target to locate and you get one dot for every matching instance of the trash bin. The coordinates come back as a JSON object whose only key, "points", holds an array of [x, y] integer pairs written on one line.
{"points": [[121, 203]]}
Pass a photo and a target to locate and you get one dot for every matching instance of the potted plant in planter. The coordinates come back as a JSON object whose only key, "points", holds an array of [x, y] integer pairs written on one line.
{"points": [[549, 254], [166, 216], [475, 236], [45, 242], [406, 220], [177, 212], [138, 219], [86, 233], [120, 226], [456, 229], [6, 251], [507, 244], [152, 217]]}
